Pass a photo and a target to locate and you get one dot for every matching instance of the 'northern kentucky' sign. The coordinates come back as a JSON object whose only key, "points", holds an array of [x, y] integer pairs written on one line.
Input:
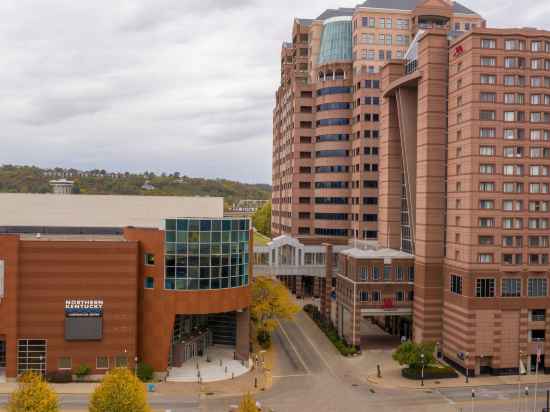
{"points": [[83, 307]]}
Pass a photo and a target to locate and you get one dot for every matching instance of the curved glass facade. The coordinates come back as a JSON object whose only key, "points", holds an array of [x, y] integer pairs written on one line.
{"points": [[336, 41], [202, 254]]}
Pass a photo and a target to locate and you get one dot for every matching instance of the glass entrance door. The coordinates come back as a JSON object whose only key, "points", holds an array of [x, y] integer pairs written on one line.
{"points": [[31, 356], [2, 354]]}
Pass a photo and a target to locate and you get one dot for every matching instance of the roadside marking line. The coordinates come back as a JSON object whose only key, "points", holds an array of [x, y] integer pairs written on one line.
{"points": [[289, 376], [315, 349], [293, 347], [451, 402]]}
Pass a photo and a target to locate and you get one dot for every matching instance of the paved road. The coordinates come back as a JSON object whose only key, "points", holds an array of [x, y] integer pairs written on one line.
{"points": [[173, 403]]}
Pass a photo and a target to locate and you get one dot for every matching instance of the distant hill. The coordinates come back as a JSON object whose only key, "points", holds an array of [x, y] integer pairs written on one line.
{"points": [[29, 179]]}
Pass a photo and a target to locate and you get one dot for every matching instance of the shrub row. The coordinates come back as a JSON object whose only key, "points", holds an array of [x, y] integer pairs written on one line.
{"points": [[430, 372], [330, 331]]}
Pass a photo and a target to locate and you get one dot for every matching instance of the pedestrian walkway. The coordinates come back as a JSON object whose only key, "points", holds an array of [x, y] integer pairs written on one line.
{"points": [[217, 365], [391, 378], [2, 375]]}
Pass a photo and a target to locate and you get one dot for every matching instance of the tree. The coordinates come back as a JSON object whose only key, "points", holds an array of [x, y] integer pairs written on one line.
{"points": [[270, 301], [262, 219], [120, 391], [33, 394], [410, 354], [248, 404]]}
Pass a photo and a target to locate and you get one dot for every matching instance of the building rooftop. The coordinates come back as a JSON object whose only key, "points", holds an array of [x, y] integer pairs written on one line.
{"points": [[376, 254], [329, 13], [410, 5], [73, 238], [99, 211]]}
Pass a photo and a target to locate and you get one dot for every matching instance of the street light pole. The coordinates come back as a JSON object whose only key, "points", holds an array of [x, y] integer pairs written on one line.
{"points": [[526, 398], [422, 373], [466, 356], [473, 397]]}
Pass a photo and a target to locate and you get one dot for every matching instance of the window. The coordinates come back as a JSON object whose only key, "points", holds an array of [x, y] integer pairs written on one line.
{"points": [[375, 273], [488, 79], [456, 284], [488, 44], [387, 272], [486, 240], [487, 132], [486, 222], [488, 97], [537, 287], [486, 169], [149, 282], [121, 361], [399, 273], [487, 115], [399, 296], [376, 296], [511, 288], [64, 363], [538, 315], [411, 274], [364, 296], [149, 259], [488, 61], [486, 204], [485, 258], [537, 335], [102, 362], [486, 150], [485, 288]]}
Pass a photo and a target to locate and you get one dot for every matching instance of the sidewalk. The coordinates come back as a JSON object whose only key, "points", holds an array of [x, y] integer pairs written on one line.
{"points": [[391, 378]]}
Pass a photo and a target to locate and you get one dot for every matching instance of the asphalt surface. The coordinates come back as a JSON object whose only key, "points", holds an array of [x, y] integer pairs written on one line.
{"points": [[80, 402]]}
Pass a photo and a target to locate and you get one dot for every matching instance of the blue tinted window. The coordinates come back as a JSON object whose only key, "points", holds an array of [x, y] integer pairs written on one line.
{"points": [[149, 282], [333, 90], [206, 254], [333, 122]]}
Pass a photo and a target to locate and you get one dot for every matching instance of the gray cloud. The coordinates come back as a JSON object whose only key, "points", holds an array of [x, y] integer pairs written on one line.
{"points": [[159, 85]]}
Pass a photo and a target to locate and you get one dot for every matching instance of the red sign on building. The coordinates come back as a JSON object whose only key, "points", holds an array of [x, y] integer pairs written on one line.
{"points": [[458, 50], [388, 303]]}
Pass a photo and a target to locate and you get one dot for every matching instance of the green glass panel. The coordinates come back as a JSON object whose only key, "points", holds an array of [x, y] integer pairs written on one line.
{"points": [[170, 224]]}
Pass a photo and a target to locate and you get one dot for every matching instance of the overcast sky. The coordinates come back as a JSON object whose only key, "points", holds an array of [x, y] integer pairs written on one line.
{"points": [[162, 85]]}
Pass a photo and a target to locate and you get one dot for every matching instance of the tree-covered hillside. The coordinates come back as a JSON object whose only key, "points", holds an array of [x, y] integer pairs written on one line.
{"points": [[28, 179]]}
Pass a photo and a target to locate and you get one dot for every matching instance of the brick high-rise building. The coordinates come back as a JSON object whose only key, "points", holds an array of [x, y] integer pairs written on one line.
{"points": [[461, 185], [326, 122]]}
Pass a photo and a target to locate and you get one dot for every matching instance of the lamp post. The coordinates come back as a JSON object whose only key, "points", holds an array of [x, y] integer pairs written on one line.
{"points": [[473, 397], [526, 398], [422, 372], [466, 356]]}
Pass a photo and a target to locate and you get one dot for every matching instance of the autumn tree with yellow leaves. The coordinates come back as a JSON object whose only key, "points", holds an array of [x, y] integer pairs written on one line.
{"points": [[270, 301], [120, 391], [33, 394], [248, 404]]}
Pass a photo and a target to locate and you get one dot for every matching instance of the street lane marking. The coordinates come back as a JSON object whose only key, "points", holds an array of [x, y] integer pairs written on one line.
{"points": [[293, 347], [316, 350]]}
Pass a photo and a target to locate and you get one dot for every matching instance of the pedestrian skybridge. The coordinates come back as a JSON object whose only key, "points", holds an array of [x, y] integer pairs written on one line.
{"points": [[287, 256]]}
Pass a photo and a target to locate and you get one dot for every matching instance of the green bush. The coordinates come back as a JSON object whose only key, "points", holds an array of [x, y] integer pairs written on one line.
{"points": [[82, 371], [430, 372], [410, 353], [145, 372], [264, 339], [60, 376], [330, 331]]}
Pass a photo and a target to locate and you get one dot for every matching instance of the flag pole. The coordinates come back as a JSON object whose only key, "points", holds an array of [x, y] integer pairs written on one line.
{"points": [[539, 353]]}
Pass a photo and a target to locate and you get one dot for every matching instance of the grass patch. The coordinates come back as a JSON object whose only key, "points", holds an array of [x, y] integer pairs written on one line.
{"points": [[330, 331]]}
